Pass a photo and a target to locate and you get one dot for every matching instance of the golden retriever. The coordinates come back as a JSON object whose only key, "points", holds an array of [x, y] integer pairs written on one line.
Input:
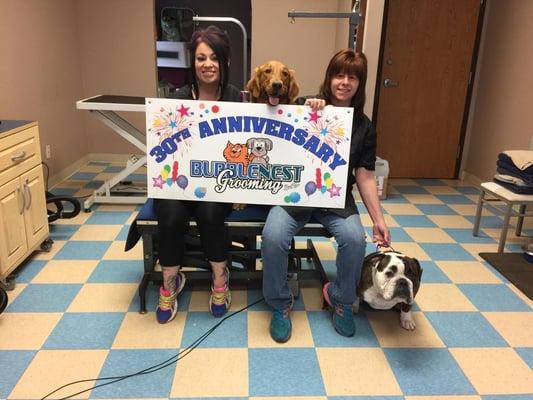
{"points": [[273, 83]]}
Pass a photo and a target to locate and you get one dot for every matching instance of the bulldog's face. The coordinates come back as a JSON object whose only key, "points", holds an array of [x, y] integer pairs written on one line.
{"points": [[396, 276]]}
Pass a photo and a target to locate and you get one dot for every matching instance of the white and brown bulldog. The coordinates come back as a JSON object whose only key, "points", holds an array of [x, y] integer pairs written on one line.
{"points": [[391, 279]]}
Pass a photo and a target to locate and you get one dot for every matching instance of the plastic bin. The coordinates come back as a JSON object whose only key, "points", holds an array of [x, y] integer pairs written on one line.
{"points": [[382, 176]]}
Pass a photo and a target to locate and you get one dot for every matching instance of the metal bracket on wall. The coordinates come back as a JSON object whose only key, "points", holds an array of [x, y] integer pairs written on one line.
{"points": [[352, 16], [244, 34]]}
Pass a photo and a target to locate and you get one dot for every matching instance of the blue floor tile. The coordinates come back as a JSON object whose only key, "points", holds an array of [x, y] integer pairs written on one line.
{"points": [[407, 189], [465, 329], [284, 372], [466, 236], [83, 176], [63, 191], [113, 169], [468, 190], [117, 271], [400, 236], [62, 232], [446, 252], [108, 218], [430, 182], [508, 397], [85, 331], [422, 371], [125, 362], [13, 363], [454, 199], [436, 209], [493, 297], [27, 271], [228, 334], [324, 335], [432, 273], [526, 353], [365, 398], [123, 234], [395, 198], [93, 184], [83, 250], [44, 298], [487, 221], [414, 221]]}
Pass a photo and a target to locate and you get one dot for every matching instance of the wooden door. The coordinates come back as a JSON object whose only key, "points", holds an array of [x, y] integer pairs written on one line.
{"points": [[426, 62]]}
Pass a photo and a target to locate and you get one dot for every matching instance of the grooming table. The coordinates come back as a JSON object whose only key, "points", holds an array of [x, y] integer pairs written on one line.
{"points": [[104, 107], [499, 193], [244, 227]]}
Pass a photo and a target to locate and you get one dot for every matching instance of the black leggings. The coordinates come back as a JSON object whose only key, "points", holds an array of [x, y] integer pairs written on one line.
{"points": [[173, 218]]}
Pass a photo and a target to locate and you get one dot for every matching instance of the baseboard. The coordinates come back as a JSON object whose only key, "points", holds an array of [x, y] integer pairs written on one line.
{"points": [[469, 178], [68, 171], [75, 166]]}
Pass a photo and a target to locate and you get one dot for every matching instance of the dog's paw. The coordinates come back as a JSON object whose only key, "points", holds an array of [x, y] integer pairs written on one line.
{"points": [[407, 321]]}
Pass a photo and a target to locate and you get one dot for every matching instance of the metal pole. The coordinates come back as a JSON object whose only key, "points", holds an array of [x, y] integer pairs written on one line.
{"points": [[352, 16], [245, 38]]}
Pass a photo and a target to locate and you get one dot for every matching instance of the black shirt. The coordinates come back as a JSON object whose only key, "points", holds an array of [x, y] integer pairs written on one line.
{"points": [[231, 93]]}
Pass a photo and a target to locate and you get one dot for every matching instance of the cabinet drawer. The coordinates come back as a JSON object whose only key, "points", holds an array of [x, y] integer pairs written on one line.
{"points": [[19, 153]]}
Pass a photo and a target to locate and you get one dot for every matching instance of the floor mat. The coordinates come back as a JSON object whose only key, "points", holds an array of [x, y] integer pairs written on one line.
{"points": [[515, 268]]}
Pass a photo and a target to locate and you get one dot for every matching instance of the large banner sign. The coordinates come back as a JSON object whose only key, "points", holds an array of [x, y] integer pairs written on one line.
{"points": [[247, 153]]}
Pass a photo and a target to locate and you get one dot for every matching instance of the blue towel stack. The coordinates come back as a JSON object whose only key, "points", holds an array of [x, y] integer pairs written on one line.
{"points": [[515, 173]]}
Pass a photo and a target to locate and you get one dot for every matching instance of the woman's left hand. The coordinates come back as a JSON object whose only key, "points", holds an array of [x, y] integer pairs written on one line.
{"points": [[381, 234]]}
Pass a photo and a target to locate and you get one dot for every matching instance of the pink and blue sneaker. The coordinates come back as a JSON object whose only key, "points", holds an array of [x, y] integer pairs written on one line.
{"points": [[168, 302]]}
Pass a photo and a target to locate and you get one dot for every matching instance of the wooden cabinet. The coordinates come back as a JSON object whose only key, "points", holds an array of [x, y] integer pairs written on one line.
{"points": [[23, 215]]}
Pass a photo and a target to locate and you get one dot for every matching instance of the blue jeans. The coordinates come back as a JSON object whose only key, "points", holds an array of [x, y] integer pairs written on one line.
{"points": [[279, 230]]}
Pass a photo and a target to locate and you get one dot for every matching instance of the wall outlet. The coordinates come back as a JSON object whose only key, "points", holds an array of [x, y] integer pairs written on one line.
{"points": [[47, 152]]}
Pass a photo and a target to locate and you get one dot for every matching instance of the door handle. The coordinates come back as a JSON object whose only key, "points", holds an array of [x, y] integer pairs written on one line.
{"points": [[390, 83]]}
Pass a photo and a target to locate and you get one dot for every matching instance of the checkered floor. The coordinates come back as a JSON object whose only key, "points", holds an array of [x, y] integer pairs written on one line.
{"points": [[73, 315]]}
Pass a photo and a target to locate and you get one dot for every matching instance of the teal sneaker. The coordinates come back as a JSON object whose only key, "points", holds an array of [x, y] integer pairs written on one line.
{"points": [[280, 325], [342, 318]]}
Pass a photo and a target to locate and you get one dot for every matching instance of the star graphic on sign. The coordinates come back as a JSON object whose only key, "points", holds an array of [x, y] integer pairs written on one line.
{"points": [[324, 131], [173, 124], [314, 116], [158, 182], [184, 111], [334, 190]]}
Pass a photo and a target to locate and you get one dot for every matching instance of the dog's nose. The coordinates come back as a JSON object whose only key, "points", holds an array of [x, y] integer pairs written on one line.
{"points": [[276, 85], [402, 283]]}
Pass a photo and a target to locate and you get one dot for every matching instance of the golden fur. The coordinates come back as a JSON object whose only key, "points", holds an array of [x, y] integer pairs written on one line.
{"points": [[273, 80]]}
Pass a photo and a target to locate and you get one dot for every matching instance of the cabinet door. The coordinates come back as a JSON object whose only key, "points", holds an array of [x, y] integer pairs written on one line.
{"points": [[12, 232], [35, 215]]}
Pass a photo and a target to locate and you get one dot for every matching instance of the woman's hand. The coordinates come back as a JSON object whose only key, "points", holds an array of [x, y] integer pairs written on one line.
{"points": [[238, 206], [315, 104]]}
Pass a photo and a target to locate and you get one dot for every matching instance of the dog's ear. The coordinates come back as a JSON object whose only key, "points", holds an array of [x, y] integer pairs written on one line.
{"points": [[269, 144], [253, 85], [412, 267], [294, 89], [374, 259], [250, 143]]}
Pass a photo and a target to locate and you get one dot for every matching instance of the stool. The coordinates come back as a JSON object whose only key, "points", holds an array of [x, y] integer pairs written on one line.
{"points": [[499, 193]]}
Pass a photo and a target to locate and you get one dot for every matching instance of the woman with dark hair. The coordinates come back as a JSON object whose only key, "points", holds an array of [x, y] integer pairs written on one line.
{"points": [[210, 54], [343, 86]]}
